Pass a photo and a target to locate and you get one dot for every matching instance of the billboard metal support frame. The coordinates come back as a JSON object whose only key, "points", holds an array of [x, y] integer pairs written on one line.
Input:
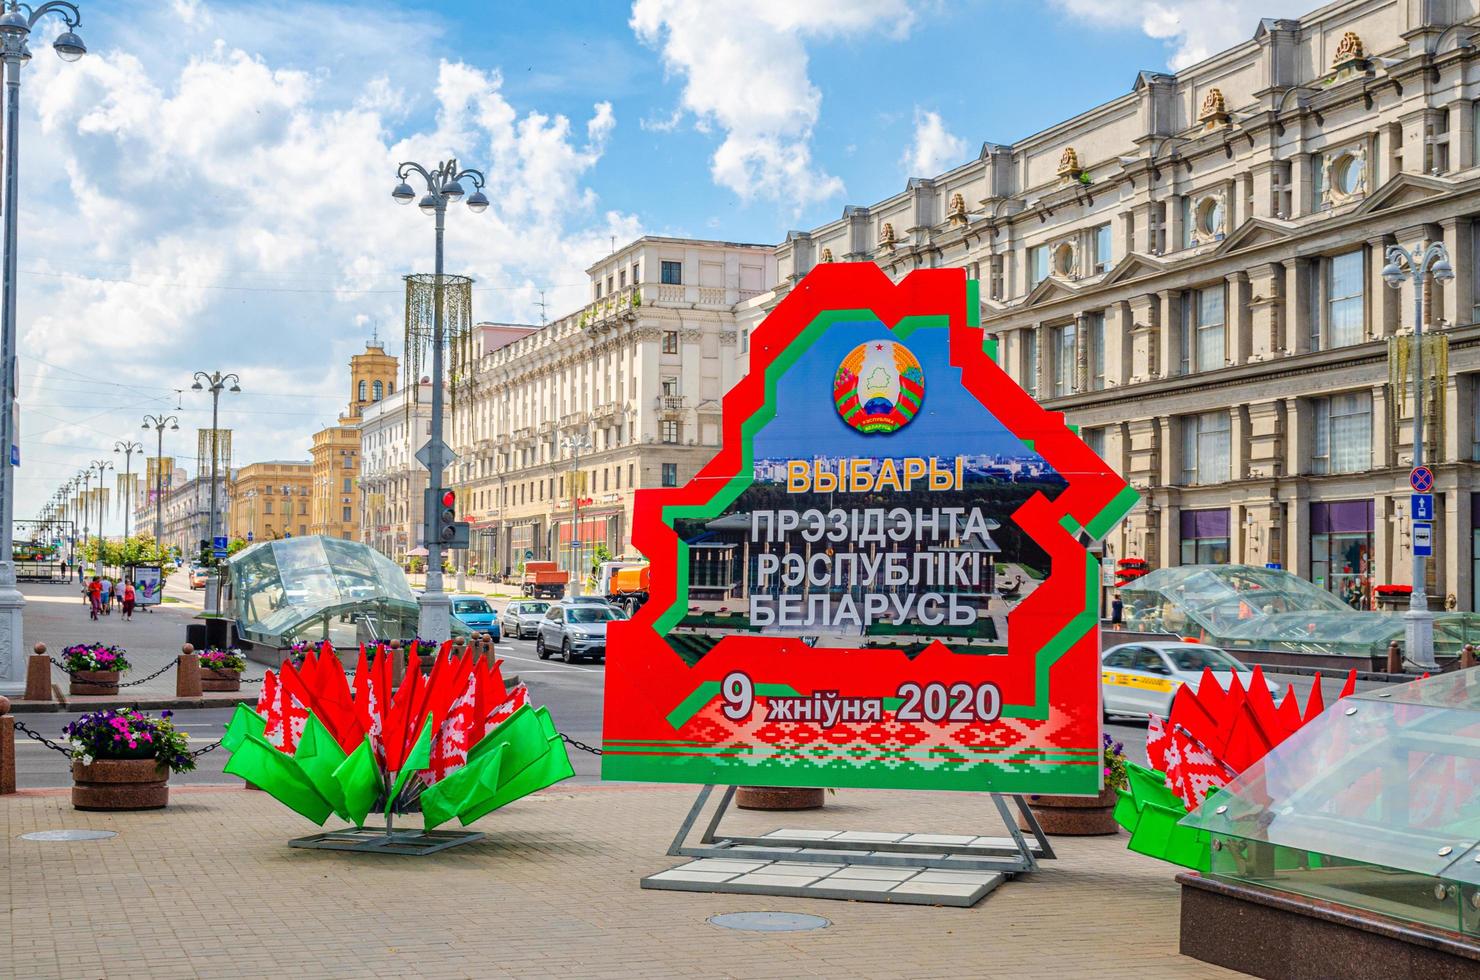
{"points": [[1010, 855]]}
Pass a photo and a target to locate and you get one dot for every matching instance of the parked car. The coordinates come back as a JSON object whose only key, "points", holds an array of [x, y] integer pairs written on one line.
{"points": [[476, 614], [198, 577], [521, 617], [1142, 678], [576, 629]]}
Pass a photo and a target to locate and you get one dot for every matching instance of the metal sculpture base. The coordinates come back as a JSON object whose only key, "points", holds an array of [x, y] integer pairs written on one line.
{"points": [[387, 840], [921, 869]]}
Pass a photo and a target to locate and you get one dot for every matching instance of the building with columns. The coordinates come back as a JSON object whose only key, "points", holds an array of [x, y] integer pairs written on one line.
{"points": [[269, 500], [392, 482], [1191, 273], [560, 425], [334, 497]]}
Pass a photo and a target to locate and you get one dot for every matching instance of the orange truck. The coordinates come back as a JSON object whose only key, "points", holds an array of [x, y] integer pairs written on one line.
{"points": [[544, 580], [624, 584]]}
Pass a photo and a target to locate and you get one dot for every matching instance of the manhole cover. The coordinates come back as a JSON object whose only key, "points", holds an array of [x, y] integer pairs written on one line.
{"points": [[69, 835], [769, 921]]}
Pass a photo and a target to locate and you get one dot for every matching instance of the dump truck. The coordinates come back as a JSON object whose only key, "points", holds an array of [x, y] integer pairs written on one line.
{"points": [[544, 580], [625, 584]]}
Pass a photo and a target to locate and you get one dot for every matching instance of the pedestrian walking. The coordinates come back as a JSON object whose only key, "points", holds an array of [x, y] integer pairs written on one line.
{"points": [[1117, 613], [94, 597], [81, 574], [128, 600], [105, 595]]}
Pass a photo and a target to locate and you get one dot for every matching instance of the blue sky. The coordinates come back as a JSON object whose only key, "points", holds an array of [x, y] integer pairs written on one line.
{"points": [[209, 187], [950, 421]]}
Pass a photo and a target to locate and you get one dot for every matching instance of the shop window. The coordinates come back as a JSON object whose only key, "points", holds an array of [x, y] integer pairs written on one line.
{"points": [[1204, 537], [1341, 542]]}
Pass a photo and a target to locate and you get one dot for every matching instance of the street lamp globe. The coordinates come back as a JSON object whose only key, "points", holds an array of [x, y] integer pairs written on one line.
{"points": [[452, 190], [196, 387], [403, 193], [235, 388], [69, 46], [1392, 274], [478, 202], [1442, 270], [428, 205], [14, 23]]}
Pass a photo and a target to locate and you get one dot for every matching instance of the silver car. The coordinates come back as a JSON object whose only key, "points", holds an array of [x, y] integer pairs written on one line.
{"points": [[521, 617], [576, 629], [1141, 679]]}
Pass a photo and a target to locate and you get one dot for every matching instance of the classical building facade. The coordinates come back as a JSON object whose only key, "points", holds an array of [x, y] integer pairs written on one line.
{"points": [[1192, 273], [270, 500], [334, 498], [392, 482], [187, 512], [560, 425]]}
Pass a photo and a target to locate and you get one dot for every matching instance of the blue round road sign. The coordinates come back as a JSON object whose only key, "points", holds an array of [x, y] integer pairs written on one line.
{"points": [[1421, 479]]}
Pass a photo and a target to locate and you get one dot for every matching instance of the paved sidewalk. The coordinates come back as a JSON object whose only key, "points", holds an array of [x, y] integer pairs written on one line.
{"points": [[209, 888]]}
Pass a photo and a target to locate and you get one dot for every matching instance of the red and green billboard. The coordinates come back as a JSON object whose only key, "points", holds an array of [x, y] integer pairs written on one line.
{"points": [[881, 578]]}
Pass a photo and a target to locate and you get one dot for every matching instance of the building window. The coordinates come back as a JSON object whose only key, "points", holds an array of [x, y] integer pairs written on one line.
{"points": [[1341, 549], [349, 462], [1204, 537], [1343, 433], [1094, 340], [622, 279], [362, 390], [1475, 427], [671, 273], [1202, 330], [1030, 361], [378, 390], [669, 386], [1205, 448], [636, 273], [670, 341], [670, 474], [1063, 359], [670, 431], [1104, 250], [1037, 265], [267, 506], [348, 485], [598, 289], [1095, 440], [347, 514], [1340, 319], [1437, 138]]}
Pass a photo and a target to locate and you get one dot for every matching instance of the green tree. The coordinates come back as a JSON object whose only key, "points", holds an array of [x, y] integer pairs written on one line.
{"points": [[235, 545]]}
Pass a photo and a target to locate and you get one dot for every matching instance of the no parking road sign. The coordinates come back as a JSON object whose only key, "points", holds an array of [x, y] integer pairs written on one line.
{"points": [[1421, 479]]}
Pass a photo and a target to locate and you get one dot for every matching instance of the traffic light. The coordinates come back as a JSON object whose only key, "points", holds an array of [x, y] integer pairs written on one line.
{"points": [[443, 527]]}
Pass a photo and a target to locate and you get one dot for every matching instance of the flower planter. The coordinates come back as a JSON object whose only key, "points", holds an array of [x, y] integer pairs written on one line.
{"points": [[120, 784], [93, 682], [778, 798], [1074, 816], [212, 679]]}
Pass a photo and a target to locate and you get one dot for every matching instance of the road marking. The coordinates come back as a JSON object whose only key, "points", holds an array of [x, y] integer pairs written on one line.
{"points": [[536, 660]]}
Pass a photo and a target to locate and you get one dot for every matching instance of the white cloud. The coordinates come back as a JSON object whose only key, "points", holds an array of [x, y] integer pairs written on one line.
{"points": [[744, 68], [229, 208], [934, 149], [1192, 29]]}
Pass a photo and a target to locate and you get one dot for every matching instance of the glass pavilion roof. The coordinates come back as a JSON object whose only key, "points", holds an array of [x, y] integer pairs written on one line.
{"points": [[315, 588], [1267, 609], [1375, 804]]}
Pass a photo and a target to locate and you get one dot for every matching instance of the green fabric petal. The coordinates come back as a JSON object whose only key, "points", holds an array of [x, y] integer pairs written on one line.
{"points": [[244, 721], [419, 758], [319, 755], [280, 776], [359, 782]]}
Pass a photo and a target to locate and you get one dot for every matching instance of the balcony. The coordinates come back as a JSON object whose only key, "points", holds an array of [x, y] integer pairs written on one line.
{"points": [[671, 404], [573, 419], [610, 310]]}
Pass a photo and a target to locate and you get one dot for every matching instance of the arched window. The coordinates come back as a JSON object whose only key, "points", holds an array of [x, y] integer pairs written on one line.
{"points": [[390, 387], [362, 390], [379, 389]]}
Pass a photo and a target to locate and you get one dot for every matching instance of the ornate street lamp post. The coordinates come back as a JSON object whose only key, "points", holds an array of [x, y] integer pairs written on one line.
{"points": [[15, 26], [128, 448], [158, 423], [216, 382], [1416, 266], [100, 466], [443, 185], [575, 445]]}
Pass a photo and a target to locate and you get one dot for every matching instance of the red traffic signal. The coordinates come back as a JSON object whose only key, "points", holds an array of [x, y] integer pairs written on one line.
{"points": [[449, 498]]}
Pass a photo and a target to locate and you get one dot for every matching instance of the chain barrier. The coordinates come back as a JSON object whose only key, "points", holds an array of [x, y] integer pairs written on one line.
{"points": [[30, 732], [579, 744], [60, 666], [144, 680], [209, 748]]}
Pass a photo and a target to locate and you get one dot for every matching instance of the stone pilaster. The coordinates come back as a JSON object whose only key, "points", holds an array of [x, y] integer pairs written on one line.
{"points": [[1266, 310]]}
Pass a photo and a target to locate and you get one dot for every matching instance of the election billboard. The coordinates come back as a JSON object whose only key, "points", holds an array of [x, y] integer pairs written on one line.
{"points": [[881, 578]]}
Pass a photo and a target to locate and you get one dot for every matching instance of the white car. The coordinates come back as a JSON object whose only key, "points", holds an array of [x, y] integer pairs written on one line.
{"points": [[1141, 679]]}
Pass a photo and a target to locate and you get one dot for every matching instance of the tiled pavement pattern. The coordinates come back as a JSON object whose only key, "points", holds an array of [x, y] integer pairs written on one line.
{"points": [[209, 888]]}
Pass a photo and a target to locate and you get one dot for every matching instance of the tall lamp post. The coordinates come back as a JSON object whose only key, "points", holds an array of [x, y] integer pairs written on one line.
{"points": [[216, 382], [1416, 266], [100, 466], [444, 186], [575, 445], [158, 423], [15, 26], [84, 509], [128, 447]]}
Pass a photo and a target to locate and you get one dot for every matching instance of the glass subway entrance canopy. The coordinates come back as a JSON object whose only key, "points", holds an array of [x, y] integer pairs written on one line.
{"points": [[1241, 606], [314, 588]]}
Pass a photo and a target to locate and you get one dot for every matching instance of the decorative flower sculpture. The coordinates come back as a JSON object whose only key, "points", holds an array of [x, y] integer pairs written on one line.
{"points": [[456, 742]]}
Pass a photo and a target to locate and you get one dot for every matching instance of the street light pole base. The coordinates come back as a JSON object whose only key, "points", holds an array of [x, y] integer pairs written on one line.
{"points": [[1418, 634], [12, 640], [434, 616]]}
